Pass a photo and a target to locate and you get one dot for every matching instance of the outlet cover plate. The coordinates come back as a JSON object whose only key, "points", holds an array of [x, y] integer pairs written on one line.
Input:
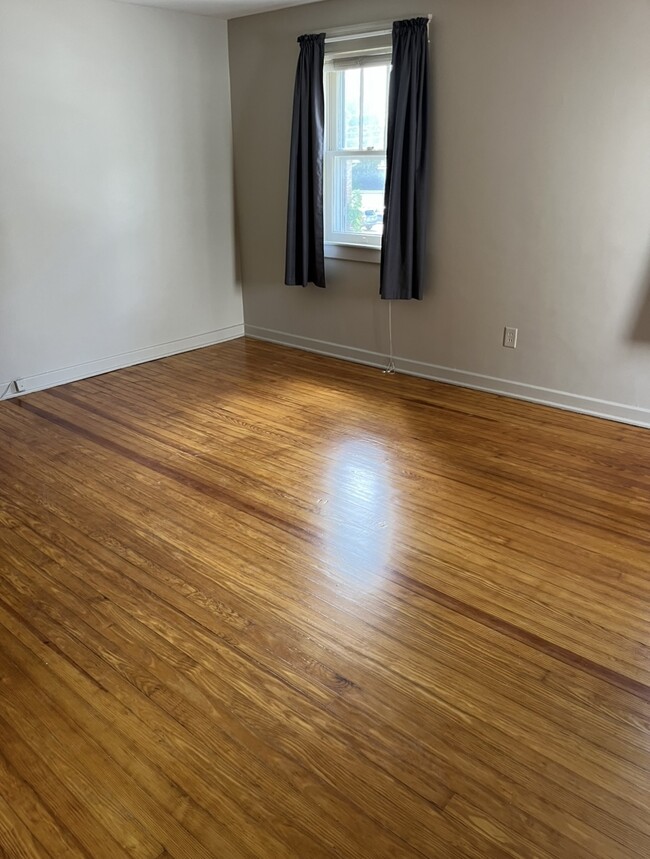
{"points": [[510, 337]]}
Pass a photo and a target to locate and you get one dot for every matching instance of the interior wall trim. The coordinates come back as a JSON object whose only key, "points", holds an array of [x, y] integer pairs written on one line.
{"points": [[518, 390], [126, 359]]}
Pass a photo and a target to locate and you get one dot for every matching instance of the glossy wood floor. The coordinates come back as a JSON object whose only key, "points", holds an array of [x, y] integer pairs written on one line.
{"points": [[257, 603]]}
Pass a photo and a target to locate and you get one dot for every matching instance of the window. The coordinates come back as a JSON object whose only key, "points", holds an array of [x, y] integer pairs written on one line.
{"points": [[356, 111]]}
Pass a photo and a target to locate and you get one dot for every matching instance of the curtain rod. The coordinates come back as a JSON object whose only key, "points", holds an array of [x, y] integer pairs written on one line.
{"points": [[348, 34]]}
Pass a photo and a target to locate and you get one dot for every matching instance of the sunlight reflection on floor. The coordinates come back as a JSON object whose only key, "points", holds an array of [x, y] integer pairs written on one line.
{"points": [[358, 529]]}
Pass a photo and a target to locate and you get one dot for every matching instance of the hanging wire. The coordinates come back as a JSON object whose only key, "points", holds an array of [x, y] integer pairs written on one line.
{"points": [[390, 367]]}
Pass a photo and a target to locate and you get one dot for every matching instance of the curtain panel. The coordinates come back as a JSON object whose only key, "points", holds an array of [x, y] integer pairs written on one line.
{"points": [[404, 243], [305, 254]]}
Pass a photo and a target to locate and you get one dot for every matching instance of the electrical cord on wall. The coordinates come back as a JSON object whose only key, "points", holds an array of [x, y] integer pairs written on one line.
{"points": [[6, 391], [390, 367]]}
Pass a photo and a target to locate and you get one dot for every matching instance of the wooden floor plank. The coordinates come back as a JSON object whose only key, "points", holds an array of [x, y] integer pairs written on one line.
{"points": [[258, 603], [74, 812], [35, 817], [16, 840]]}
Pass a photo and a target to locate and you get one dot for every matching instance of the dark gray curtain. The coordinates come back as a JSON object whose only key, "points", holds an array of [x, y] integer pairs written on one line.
{"points": [[305, 261], [404, 243]]}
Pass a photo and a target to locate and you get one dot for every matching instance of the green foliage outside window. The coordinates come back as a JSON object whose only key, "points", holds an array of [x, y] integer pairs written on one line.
{"points": [[354, 215]]}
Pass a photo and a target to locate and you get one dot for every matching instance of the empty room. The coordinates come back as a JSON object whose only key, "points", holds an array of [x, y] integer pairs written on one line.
{"points": [[325, 429]]}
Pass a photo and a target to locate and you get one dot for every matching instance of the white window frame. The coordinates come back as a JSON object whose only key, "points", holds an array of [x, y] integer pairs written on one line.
{"points": [[360, 248]]}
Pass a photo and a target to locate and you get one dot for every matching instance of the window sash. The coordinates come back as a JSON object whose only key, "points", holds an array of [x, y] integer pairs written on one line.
{"points": [[334, 197], [335, 211]]}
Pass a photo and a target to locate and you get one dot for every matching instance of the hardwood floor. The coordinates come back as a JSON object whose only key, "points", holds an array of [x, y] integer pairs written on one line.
{"points": [[258, 603]]}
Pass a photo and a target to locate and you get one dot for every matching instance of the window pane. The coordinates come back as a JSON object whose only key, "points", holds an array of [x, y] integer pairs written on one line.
{"points": [[359, 184], [375, 81], [351, 86]]}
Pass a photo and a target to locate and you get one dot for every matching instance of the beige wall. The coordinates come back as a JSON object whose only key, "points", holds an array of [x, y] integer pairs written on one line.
{"points": [[541, 203], [116, 215]]}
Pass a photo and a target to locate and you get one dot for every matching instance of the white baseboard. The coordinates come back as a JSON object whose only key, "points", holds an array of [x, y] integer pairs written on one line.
{"points": [[126, 359], [518, 390]]}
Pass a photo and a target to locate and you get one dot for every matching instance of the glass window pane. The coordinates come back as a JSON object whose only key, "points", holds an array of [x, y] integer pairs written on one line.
{"points": [[375, 81], [359, 183], [351, 86]]}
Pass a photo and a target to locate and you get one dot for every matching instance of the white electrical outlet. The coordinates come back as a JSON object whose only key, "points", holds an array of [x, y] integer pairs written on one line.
{"points": [[510, 337], [19, 386]]}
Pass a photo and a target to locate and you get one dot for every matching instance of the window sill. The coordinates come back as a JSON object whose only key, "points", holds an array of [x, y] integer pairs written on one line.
{"points": [[356, 253]]}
